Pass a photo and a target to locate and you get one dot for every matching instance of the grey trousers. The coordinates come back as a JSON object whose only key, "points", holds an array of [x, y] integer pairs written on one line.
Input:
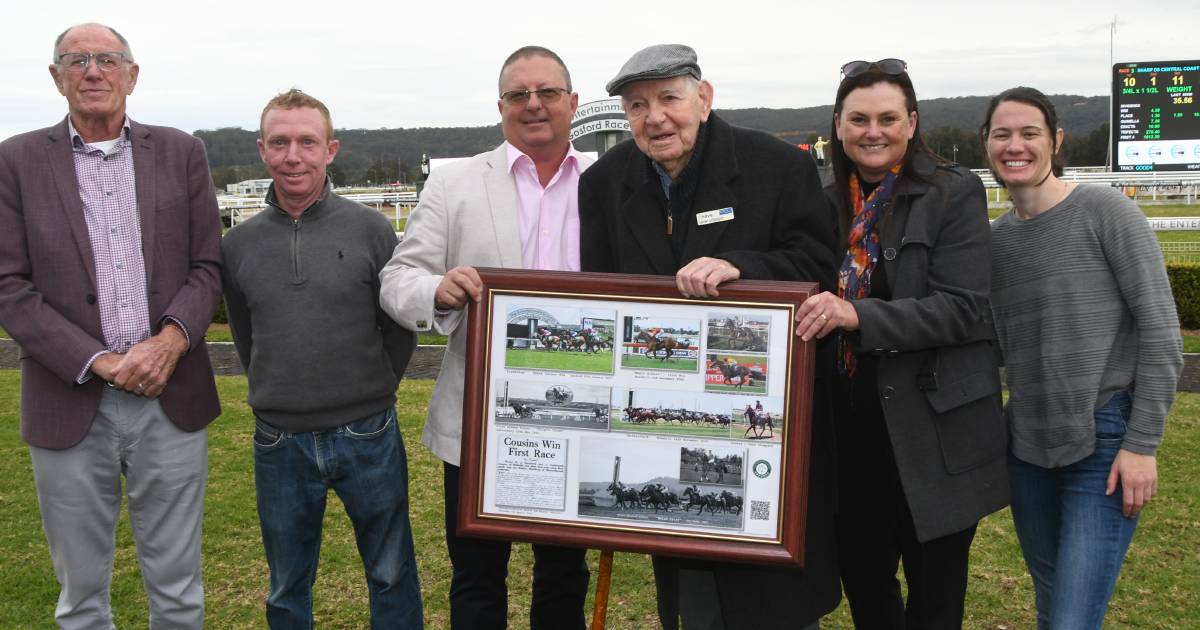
{"points": [[79, 493]]}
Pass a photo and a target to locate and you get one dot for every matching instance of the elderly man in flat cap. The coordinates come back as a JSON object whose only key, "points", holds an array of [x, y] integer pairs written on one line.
{"points": [[693, 197]]}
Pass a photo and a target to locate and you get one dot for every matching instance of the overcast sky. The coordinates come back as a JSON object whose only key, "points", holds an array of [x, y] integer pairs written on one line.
{"points": [[435, 63]]}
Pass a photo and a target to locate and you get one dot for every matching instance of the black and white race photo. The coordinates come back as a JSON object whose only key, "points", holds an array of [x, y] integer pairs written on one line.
{"points": [[553, 404], [640, 482]]}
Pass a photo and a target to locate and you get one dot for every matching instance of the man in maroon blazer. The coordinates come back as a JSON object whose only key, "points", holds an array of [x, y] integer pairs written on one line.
{"points": [[109, 276]]}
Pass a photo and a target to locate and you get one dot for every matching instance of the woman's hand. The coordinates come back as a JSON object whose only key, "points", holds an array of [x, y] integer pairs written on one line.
{"points": [[820, 314], [1138, 476]]}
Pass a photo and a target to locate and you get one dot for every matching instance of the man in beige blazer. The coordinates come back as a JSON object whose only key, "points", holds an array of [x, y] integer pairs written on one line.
{"points": [[515, 206]]}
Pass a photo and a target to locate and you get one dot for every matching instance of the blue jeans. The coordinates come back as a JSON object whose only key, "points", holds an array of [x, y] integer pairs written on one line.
{"points": [[1074, 538], [364, 462]]}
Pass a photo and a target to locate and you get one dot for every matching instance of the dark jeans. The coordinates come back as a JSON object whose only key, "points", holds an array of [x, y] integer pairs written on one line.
{"points": [[1073, 536], [478, 593], [364, 462]]}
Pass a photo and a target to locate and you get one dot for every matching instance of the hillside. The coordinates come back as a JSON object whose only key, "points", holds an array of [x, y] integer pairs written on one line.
{"points": [[1077, 115], [377, 155]]}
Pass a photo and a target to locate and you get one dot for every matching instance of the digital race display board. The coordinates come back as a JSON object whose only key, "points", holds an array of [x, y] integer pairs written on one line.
{"points": [[1156, 116]]}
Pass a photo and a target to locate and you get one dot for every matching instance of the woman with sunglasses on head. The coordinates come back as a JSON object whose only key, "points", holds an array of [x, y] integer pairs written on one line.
{"points": [[1088, 328], [917, 399]]}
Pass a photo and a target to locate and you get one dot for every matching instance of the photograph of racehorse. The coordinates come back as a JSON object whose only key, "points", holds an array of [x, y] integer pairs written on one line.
{"points": [[761, 420], [570, 406], [736, 373], [640, 483], [739, 333], [660, 343], [671, 412], [549, 336], [722, 467]]}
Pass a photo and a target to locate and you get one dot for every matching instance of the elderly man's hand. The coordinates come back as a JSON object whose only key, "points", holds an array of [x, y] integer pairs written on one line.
{"points": [[700, 277], [105, 365], [459, 286], [148, 365]]}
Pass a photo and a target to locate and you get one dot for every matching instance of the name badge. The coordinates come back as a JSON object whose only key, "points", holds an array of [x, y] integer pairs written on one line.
{"points": [[715, 216]]}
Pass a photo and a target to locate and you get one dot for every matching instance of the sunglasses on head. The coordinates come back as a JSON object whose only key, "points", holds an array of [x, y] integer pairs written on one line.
{"points": [[890, 66]]}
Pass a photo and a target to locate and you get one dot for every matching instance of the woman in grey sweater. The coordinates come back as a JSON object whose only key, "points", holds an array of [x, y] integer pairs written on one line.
{"points": [[1087, 325]]}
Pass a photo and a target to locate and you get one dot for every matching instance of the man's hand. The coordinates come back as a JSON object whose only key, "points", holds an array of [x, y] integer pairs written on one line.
{"points": [[459, 286], [700, 277], [1138, 476], [148, 365], [105, 364]]}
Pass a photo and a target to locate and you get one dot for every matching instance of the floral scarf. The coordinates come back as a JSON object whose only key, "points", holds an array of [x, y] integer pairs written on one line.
{"points": [[862, 251]]}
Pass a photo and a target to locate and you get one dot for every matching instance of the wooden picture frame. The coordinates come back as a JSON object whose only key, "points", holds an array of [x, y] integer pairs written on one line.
{"points": [[671, 426]]}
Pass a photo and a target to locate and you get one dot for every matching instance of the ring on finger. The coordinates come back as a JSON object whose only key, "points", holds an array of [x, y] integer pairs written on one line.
{"points": [[824, 317]]}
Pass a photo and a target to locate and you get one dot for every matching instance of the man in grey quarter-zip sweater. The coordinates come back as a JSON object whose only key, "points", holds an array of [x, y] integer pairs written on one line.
{"points": [[323, 362]]}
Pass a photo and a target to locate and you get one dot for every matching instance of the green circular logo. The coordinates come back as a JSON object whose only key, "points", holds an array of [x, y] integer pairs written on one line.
{"points": [[762, 469]]}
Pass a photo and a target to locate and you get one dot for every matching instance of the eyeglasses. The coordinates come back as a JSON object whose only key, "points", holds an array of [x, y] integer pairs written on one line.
{"points": [[105, 61], [890, 66], [545, 95]]}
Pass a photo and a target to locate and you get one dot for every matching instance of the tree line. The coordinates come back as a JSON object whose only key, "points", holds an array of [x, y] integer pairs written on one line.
{"points": [[394, 155]]}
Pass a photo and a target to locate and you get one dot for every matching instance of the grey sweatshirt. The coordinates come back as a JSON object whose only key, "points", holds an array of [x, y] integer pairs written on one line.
{"points": [[303, 303], [1083, 309]]}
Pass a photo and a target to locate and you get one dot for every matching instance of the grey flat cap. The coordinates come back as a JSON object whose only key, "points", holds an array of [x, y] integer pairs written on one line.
{"points": [[661, 61]]}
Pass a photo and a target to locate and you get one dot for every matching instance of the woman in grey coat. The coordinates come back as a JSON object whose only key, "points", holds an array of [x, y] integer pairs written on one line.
{"points": [[917, 399]]}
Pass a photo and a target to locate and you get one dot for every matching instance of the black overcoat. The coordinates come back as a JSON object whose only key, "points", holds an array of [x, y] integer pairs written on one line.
{"points": [[938, 379], [783, 229]]}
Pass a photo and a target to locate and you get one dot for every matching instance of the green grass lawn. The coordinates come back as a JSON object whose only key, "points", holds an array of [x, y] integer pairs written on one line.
{"points": [[1171, 210], [1178, 237], [1159, 586]]}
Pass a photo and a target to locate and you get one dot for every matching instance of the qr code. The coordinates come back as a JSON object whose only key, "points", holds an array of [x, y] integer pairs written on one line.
{"points": [[760, 510]]}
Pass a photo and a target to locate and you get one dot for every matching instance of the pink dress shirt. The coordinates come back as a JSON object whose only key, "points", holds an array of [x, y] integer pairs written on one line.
{"points": [[550, 215]]}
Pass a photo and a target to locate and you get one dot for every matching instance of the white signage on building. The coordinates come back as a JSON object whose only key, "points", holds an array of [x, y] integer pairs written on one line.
{"points": [[590, 127], [1175, 224], [597, 108], [596, 116]]}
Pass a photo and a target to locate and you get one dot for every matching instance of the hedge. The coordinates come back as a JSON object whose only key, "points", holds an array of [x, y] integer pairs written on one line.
{"points": [[1185, 284]]}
